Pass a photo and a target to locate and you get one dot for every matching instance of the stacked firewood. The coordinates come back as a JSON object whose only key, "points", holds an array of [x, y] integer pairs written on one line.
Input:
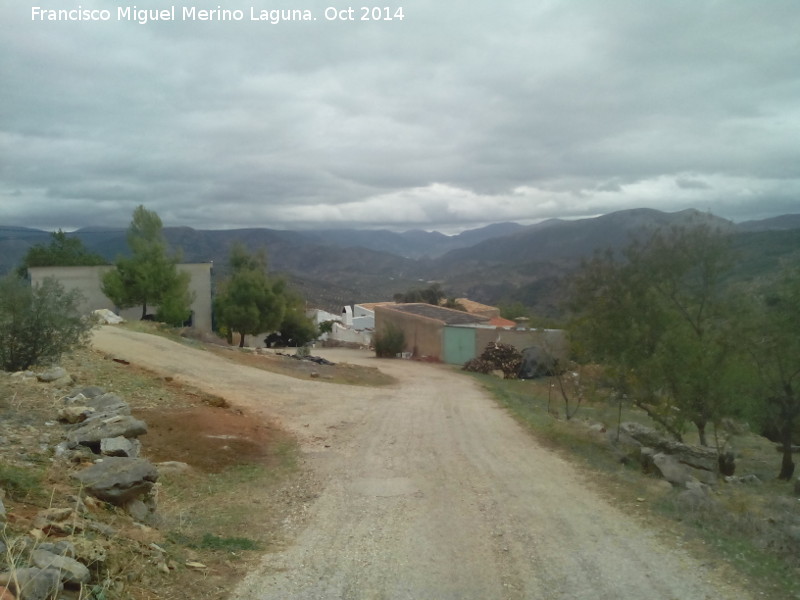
{"points": [[497, 357]]}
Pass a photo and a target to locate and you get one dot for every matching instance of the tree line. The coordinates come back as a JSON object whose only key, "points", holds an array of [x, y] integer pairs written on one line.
{"points": [[684, 342]]}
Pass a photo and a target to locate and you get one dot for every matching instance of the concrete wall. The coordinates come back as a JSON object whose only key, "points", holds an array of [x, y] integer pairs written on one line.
{"points": [[423, 335], [88, 280]]}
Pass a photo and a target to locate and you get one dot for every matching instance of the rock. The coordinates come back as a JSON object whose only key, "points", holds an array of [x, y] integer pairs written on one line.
{"points": [[52, 374], [50, 516], [61, 548], [797, 487], [697, 486], [35, 584], [536, 362], [138, 510], [118, 480], [92, 431], [746, 479], [697, 457], [91, 391], [91, 552], [58, 521], [107, 317], [120, 446], [74, 414], [671, 470], [71, 571], [144, 511], [106, 405]]}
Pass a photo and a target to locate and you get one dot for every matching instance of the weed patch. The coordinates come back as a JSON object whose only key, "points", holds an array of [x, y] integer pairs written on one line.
{"points": [[21, 483]]}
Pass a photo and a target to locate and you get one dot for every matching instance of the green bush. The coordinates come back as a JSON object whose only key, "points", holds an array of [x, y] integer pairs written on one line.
{"points": [[38, 323], [389, 342]]}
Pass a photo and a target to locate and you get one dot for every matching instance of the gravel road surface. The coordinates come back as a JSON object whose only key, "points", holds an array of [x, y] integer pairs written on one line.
{"points": [[429, 491]]}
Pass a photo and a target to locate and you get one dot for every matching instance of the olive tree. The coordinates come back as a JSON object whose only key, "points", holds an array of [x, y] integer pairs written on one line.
{"points": [[38, 323], [659, 318], [773, 341]]}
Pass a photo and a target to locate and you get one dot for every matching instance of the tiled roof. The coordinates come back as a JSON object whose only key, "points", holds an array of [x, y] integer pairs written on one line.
{"points": [[501, 322], [447, 316]]}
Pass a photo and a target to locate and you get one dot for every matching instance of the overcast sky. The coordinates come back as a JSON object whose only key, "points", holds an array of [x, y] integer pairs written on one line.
{"points": [[460, 114]]}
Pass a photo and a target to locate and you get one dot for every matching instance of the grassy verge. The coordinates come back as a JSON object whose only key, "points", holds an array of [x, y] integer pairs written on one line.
{"points": [[755, 529]]}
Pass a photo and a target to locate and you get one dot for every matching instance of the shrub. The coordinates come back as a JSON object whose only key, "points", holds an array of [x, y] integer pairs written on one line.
{"points": [[38, 323], [389, 342]]}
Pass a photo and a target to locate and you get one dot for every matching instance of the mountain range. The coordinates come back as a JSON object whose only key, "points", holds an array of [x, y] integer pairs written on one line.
{"points": [[500, 263]]}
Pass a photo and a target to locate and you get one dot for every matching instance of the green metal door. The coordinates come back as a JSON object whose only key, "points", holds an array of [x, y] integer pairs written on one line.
{"points": [[459, 345]]}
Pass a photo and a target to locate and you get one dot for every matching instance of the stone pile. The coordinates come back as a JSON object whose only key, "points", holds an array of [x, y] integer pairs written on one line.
{"points": [[683, 465], [98, 431]]}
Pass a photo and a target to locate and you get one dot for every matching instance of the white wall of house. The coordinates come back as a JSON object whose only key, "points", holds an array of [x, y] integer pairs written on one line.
{"points": [[320, 316], [340, 333], [363, 318]]}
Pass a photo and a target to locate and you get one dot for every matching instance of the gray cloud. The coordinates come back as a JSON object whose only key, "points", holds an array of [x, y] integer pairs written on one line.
{"points": [[458, 115]]}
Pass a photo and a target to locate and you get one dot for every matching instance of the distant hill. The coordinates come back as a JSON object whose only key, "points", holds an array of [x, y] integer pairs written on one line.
{"points": [[783, 222], [409, 244], [500, 263], [560, 240]]}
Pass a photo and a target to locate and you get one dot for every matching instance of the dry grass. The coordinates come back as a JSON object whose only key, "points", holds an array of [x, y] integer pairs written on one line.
{"points": [[208, 514], [749, 529]]}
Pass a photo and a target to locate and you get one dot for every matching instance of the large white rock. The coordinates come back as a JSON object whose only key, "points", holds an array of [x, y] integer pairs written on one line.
{"points": [[108, 317]]}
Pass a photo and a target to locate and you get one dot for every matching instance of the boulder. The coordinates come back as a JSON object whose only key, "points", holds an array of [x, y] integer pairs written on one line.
{"points": [[144, 511], [52, 374], [107, 317], [33, 583], [71, 571], [93, 430], [108, 405], [118, 480], [120, 446], [696, 457], [670, 469], [536, 362]]}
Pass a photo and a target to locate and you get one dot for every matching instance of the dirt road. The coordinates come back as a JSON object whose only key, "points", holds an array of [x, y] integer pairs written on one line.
{"points": [[432, 492]]}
